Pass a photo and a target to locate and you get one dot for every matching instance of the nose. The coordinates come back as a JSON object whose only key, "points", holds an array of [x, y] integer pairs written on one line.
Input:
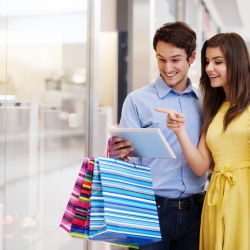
{"points": [[209, 67], [168, 66]]}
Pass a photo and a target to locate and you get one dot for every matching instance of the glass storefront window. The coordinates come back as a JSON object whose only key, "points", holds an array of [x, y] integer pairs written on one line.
{"points": [[42, 114]]}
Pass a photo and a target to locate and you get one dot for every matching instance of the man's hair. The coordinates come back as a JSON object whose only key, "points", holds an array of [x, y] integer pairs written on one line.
{"points": [[178, 34]]}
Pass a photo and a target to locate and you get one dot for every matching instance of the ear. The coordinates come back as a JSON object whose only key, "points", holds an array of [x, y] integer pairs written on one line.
{"points": [[192, 57]]}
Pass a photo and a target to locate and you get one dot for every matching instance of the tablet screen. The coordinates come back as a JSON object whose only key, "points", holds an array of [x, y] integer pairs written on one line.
{"points": [[147, 142]]}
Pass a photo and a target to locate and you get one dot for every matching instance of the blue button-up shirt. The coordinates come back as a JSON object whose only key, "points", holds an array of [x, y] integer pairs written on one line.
{"points": [[172, 178]]}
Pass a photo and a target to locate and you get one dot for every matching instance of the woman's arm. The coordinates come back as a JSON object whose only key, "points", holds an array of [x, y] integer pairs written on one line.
{"points": [[199, 158]]}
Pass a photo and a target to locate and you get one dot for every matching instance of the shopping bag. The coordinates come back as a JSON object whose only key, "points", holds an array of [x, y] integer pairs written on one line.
{"points": [[97, 221], [123, 208], [70, 210], [80, 222]]}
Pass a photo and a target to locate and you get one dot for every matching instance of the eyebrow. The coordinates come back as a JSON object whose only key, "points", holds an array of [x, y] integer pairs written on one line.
{"points": [[216, 57], [171, 56]]}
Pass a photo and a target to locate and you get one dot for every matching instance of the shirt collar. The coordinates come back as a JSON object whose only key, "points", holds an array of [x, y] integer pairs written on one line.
{"points": [[163, 89]]}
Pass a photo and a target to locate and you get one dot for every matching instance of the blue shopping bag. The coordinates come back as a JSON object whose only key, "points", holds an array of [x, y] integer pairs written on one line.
{"points": [[123, 208]]}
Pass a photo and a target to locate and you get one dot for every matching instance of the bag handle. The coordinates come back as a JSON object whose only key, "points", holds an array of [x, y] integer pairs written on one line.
{"points": [[109, 147]]}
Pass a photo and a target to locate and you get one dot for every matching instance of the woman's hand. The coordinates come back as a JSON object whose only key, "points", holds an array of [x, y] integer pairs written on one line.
{"points": [[175, 121]]}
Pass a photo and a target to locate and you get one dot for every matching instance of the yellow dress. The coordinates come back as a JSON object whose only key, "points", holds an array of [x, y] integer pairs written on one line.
{"points": [[225, 222]]}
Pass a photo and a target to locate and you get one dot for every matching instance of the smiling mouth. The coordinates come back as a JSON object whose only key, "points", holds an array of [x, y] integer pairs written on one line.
{"points": [[213, 77], [170, 75]]}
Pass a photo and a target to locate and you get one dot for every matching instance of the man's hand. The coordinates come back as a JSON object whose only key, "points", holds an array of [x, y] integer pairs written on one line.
{"points": [[118, 148]]}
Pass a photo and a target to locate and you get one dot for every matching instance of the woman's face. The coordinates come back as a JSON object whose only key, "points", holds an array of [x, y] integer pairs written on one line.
{"points": [[216, 68]]}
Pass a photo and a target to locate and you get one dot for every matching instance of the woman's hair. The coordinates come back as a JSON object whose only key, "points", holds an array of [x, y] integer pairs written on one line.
{"points": [[178, 34], [237, 61]]}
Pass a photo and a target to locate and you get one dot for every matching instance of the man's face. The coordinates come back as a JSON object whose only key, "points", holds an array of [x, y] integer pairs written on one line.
{"points": [[173, 65]]}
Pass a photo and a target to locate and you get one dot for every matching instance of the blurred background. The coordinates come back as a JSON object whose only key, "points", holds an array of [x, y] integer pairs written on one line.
{"points": [[65, 69]]}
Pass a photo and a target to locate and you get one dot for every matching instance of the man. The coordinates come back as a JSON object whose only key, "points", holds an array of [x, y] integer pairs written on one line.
{"points": [[179, 192]]}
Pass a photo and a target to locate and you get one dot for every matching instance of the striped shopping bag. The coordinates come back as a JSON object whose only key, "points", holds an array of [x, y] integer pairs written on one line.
{"points": [[70, 210], [81, 220], [123, 208]]}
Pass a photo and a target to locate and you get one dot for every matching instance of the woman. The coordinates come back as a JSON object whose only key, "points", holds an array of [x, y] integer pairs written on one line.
{"points": [[225, 139]]}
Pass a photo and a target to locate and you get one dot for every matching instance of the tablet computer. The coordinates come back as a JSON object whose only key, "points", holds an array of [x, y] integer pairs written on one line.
{"points": [[147, 142]]}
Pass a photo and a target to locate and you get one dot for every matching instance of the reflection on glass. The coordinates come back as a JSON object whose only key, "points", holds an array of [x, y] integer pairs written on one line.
{"points": [[42, 110]]}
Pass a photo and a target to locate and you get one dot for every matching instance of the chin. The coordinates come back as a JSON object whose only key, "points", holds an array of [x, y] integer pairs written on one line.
{"points": [[213, 85]]}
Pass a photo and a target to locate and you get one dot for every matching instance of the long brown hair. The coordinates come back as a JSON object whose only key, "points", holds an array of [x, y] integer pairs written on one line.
{"points": [[237, 60]]}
